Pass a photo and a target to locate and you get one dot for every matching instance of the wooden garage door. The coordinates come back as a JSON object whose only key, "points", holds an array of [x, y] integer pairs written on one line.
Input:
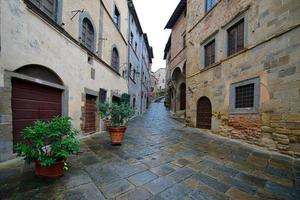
{"points": [[90, 114], [204, 113], [31, 102]]}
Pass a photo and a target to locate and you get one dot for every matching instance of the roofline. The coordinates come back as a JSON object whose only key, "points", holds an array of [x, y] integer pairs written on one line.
{"points": [[160, 69], [181, 7], [149, 48], [167, 47], [135, 16]]}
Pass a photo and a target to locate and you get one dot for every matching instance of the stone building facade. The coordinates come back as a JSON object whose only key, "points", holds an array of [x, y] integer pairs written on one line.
{"points": [[175, 56], [243, 71], [139, 63], [160, 76], [58, 57]]}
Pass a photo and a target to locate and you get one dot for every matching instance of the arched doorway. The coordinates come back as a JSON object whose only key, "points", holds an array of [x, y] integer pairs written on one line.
{"points": [[182, 96], [32, 100], [204, 113]]}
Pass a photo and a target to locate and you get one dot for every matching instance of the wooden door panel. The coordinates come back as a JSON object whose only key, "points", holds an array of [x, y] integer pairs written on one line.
{"points": [[31, 102], [204, 113]]}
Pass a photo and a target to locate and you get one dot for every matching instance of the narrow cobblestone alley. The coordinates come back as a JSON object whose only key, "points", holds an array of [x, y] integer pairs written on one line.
{"points": [[160, 159]]}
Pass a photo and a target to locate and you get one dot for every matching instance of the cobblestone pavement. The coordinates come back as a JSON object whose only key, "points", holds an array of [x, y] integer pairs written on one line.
{"points": [[160, 159]]}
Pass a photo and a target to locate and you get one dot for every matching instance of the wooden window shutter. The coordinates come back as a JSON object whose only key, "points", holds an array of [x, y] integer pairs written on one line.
{"points": [[240, 36], [213, 53], [115, 59], [87, 35]]}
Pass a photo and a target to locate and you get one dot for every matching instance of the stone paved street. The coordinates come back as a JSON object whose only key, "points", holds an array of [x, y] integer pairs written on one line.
{"points": [[160, 159]]}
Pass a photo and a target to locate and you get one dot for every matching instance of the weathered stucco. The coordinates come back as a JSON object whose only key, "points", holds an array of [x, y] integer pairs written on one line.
{"points": [[28, 39]]}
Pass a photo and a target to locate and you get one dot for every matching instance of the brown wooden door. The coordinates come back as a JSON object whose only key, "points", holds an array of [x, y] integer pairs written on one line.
{"points": [[204, 113], [31, 102], [182, 96], [90, 114]]}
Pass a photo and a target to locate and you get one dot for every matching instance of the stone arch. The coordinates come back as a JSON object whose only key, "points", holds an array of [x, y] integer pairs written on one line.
{"points": [[40, 72], [204, 113], [176, 74]]}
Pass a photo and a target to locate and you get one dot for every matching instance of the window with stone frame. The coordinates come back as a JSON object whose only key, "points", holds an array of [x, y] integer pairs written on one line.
{"points": [[115, 60], [209, 4], [49, 7], [245, 96], [236, 38], [87, 34], [209, 53], [117, 17]]}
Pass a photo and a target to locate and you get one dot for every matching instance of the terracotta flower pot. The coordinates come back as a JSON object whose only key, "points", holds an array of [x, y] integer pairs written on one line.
{"points": [[54, 171], [117, 134]]}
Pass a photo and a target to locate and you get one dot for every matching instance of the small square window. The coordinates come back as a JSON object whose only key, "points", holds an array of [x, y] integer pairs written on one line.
{"points": [[245, 96]]}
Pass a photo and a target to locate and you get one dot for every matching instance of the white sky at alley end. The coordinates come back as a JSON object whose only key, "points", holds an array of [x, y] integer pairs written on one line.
{"points": [[153, 16]]}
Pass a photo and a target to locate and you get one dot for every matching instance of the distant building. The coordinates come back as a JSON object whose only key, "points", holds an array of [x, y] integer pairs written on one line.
{"points": [[154, 88], [160, 75], [139, 63], [175, 56]]}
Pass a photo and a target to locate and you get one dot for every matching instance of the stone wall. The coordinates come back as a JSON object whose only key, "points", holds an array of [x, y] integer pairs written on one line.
{"points": [[272, 49]]}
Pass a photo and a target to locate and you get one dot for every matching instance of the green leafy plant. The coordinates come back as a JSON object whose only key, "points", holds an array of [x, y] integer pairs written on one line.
{"points": [[118, 114], [48, 142], [125, 98], [104, 110]]}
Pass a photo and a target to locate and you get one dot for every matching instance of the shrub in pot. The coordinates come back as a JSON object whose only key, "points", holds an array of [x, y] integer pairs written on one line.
{"points": [[48, 145], [118, 115]]}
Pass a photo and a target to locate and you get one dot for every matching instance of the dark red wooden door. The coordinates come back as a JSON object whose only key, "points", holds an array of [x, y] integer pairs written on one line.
{"points": [[31, 102], [204, 113], [90, 114], [182, 96]]}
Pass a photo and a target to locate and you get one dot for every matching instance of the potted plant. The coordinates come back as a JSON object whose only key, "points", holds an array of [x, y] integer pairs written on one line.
{"points": [[48, 145], [118, 114], [104, 114]]}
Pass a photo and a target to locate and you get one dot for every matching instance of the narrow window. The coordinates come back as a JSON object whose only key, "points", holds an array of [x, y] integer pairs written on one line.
{"points": [[210, 4], [135, 46], [209, 51], [102, 95], [115, 59], [131, 38], [236, 38], [117, 17], [133, 76], [87, 34], [47, 6], [244, 96], [130, 70]]}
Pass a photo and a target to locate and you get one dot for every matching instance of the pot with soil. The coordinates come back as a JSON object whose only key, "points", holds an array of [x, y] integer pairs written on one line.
{"points": [[48, 145], [118, 114]]}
